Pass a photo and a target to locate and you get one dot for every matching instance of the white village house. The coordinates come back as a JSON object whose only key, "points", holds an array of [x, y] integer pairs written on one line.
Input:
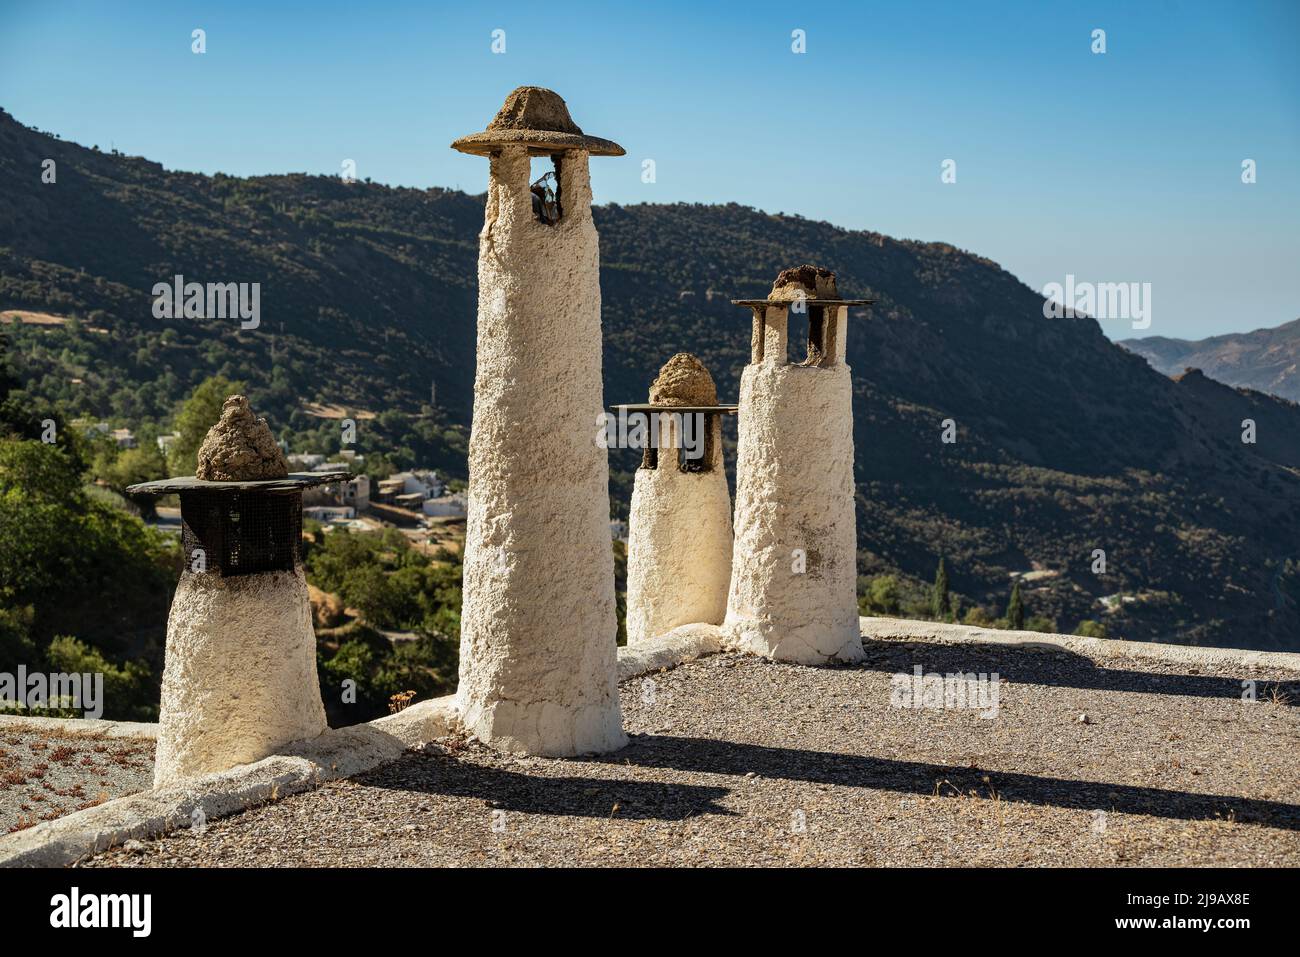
{"points": [[422, 482], [455, 505], [329, 513]]}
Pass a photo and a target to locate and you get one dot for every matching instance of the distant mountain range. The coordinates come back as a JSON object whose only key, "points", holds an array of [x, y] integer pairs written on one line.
{"points": [[1267, 360], [1067, 445]]}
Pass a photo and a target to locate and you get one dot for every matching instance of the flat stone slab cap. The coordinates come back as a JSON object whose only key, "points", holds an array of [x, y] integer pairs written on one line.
{"points": [[811, 285], [652, 407], [293, 482], [756, 303], [538, 118]]}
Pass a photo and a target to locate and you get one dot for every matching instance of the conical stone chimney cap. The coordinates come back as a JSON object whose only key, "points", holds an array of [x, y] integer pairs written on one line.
{"points": [[239, 454], [805, 282], [240, 447], [683, 381]]}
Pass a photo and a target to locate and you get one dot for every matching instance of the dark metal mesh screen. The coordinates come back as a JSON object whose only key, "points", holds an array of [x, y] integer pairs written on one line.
{"points": [[241, 532]]}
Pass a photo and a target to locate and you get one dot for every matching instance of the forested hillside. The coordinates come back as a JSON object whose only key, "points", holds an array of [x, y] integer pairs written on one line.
{"points": [[1066, 443]]}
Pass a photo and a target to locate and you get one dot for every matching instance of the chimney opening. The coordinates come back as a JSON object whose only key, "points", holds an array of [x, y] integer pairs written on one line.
{"points": [[704, 463], [818, 353], [546, 189]]}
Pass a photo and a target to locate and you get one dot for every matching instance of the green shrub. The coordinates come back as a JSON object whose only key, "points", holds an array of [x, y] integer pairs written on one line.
{"points": [[882, 596], [130, 693], [16, 645]]}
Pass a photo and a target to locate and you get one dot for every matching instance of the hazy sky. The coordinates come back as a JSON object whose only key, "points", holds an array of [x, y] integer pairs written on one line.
{"points": [[1115, 167]]}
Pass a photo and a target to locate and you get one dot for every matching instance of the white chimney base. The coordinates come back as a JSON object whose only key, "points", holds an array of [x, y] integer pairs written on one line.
{"points": [[678, 548], [240, 678], [793, 594]]}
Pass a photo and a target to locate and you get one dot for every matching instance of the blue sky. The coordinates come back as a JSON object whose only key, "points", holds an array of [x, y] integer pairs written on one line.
{"points": [[1115, 167]]}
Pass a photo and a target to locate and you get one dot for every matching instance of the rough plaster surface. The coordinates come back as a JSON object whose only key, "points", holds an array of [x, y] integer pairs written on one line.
{"points": [[298, 767], [678, 545], [794, 491], [240, 447], [668, 651], [1227, 659], [538, 653], [240, 677]]}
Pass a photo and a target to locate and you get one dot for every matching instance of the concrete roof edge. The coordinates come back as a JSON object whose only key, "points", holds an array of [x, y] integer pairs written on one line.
{"points": [[1228, 659]]}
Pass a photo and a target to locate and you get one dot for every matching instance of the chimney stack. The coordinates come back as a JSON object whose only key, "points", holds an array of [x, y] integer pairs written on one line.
{"points": [[538, 659], [679, 527], [793, 594], [240, 675]]}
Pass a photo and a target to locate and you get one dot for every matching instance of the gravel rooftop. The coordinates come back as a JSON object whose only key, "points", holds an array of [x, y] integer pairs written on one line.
{"points": [[45, 775], [737, 761]]}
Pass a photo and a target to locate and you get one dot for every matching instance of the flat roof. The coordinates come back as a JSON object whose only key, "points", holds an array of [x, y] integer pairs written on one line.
{"points": [[806, 302], [293, 482], [651, 407]]}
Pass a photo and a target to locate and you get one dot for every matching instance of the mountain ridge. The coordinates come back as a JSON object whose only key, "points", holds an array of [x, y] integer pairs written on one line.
{"points": [[1265, 359]]}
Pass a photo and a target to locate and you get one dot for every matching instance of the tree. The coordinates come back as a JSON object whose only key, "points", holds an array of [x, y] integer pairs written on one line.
{"points": [[130, 693], [199, 413], [16, 645], [20, 418], [940, 603], [426, 666], [1089, 628], [882, 596], [131, 467], [391, 584], [1016, 610], [8, 378], [83, 566], [353, 661]]}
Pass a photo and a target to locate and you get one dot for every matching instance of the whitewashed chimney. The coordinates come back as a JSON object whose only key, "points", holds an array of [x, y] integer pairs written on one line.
{"points": [[793, 593], [538, 659], [240, 675], [679, 529]]}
